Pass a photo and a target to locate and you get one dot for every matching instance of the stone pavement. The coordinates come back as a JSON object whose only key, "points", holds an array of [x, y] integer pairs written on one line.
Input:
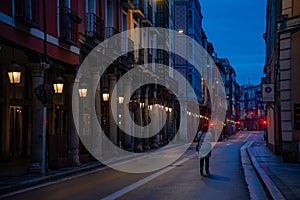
{"points": [[281, 180]]}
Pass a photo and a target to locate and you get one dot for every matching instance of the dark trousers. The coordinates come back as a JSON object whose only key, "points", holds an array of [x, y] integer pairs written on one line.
{"points": [[206, 159]]}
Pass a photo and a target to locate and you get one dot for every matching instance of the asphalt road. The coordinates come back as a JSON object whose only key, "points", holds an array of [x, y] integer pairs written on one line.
{"points": [[181, 180]]}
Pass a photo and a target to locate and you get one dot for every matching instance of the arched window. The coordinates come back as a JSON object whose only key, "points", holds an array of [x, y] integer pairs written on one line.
{"points": [[190, 19]]}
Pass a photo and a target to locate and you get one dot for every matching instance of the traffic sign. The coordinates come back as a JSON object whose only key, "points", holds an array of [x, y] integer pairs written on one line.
{"points": [[268, 92]]}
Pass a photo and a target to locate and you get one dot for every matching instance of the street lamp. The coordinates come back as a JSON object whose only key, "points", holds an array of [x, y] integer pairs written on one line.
{"points": [[167, 108], [58, 85], [121, 100], [105, 96], [14, 73], [142, 104], [82, 91]]}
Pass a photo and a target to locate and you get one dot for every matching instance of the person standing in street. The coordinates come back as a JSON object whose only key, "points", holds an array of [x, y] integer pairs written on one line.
{"points": [[204, 139]]}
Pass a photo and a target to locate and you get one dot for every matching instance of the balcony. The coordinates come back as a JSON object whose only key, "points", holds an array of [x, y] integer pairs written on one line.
{"points": [[128, 4], [114, 44], [150, 57], [26, 12], [111, 31], [94, 27], [128, 58], [147, 21], [138, 11], [68, 26], [141, 56]]}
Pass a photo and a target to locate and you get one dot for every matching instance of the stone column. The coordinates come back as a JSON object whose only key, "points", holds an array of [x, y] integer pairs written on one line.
{"points": [[139, 118], [73, 136], [113, 135], [37, 119], [127, 124], [184, 123], [146, 114], [95, 96]]}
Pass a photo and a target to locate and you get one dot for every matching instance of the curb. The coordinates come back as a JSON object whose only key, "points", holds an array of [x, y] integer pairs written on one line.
{"points": [[270, 187], [4, 191]]}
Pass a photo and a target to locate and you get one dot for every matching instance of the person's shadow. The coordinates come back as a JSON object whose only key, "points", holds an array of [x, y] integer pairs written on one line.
{"points": [[218, 177]]}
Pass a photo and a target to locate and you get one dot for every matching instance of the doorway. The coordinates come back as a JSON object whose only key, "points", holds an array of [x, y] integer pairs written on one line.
{"points": [[18, 134]]}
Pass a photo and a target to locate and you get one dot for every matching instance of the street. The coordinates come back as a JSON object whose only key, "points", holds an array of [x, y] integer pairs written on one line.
{"points": [[181, 180]]}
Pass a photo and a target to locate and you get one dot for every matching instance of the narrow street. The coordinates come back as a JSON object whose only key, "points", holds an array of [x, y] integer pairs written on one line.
{"points": [[181, 180]]}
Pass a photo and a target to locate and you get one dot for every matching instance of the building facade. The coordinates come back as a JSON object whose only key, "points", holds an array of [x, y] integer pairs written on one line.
{"points": [[188, 20], [46, 42], [39, 39], [253, 109], [232, 95], [282, 45]]}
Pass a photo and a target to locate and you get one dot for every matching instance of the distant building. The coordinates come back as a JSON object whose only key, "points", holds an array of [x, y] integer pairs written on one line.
{"points": [[252, 109], [232, 89], [188, 21]]}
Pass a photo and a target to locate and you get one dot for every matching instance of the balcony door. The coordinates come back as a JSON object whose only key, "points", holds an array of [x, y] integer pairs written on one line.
{"points": [[18, 132]]}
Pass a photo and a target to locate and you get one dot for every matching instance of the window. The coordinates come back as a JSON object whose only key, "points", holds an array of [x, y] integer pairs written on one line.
{"points": [[68, 21], [190, 79], [190, 19], [27, 12]]}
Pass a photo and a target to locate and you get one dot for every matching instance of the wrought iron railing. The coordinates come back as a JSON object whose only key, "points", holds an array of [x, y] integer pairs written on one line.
{"points": [[111, 31], [141, 56], [68, 24], [149, 14], [94, 26], [139, 4], [128, 4]]}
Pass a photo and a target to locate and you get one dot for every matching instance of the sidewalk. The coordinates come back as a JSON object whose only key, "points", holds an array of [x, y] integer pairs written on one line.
{"points": [[28, 180], [281, 180]]}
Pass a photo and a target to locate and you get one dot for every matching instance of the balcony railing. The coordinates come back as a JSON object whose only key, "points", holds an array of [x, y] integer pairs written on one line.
{"points": [[141, 56], [150, 57], [94, 27], [128, 58], [149, 14], [110, 31], [68, 25], [138, 11], [128, 4], [147, 21], [27, 12], [139, 4]]}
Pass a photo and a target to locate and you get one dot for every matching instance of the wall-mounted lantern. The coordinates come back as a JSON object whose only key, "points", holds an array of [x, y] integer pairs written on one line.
{"points": [[58, 85]]}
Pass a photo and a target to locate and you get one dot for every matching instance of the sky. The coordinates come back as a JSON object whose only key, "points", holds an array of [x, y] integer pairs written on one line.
{"points": [[236, 27]]}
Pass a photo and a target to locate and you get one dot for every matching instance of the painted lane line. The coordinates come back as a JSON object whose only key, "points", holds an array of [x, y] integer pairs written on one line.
{"points": [[53, 182], [75, 176], [144, 181], [247, 137]]}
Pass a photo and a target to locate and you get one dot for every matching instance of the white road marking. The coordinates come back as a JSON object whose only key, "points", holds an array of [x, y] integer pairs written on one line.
{"points": [[75, 176], [144, 181], [52, 182], [247, 137]]}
